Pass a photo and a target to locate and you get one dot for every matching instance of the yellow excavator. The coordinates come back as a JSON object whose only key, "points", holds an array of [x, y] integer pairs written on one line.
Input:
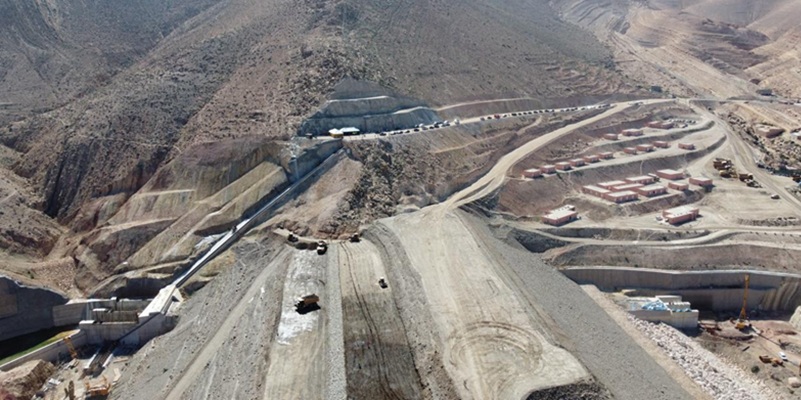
{"points": [[71, 348], [742, 321]]}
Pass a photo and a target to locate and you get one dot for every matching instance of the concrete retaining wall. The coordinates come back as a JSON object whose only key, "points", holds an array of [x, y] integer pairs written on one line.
{"points": [[78, 310], [711, 290], [106, 332], [25, 309], [52, 352], [155, 325]]}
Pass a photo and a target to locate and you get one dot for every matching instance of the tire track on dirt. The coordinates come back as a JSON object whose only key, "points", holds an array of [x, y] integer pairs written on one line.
{"points": [[374, 336]]}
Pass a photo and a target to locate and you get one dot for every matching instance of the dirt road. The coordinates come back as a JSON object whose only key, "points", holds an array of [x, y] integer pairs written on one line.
{"points": [[496, 176], [378, 358], [298, 367]]}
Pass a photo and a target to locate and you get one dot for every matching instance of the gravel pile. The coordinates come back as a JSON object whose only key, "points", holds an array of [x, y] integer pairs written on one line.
{"points": [[715, 376], [588, 390]]}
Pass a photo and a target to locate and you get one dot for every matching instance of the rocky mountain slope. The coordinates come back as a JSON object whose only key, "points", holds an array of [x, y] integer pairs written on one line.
{"points": [[722, 48], [102, 96]]}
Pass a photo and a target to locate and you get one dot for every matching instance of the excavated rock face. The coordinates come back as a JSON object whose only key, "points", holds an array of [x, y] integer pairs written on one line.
{"points": [[24, 381], [369, 108]]}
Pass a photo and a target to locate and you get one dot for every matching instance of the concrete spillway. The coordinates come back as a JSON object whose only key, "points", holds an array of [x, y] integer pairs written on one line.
{"points": [[710, 290]]}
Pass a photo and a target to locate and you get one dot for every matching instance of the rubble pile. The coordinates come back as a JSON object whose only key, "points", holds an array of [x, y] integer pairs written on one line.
{"points": [[712, 374]]}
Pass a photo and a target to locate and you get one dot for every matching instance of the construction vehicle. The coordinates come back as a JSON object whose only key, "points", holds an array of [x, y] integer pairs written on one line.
{"points": [[722, 164], [776, 362], [307, 303], [745, 176], [71, 348], [355, 238], [322, 247], [291, 238], [382, 283], [97, 391], [742, 320]]}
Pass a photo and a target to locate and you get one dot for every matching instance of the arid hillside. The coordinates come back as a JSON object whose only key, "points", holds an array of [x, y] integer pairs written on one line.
{"points": [[722, 48], [102, 96], [54, 51]]}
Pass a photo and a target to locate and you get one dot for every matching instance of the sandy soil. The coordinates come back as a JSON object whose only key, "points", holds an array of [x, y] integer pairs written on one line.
{"points": [[378, 359], [471, 304]]}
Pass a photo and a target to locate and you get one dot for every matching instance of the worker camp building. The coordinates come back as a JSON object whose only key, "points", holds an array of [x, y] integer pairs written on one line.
{"points": [[651, 190], [642, 179], [621, 197], [670, 174], [680, 215], [560, 216]]}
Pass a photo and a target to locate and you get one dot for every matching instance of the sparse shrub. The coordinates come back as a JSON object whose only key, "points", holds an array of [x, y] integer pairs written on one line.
{"points": [[755, 369]]}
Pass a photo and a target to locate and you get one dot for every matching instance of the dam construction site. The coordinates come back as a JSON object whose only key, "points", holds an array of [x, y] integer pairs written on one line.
{"points": [[356, 200]]}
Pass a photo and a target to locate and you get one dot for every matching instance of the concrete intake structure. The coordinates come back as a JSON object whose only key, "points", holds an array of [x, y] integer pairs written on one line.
{"points": [[720, 290], [670, 310]]}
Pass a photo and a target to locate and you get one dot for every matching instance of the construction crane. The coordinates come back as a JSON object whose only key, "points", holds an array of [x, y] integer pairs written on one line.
{"points": [[742, 321]]}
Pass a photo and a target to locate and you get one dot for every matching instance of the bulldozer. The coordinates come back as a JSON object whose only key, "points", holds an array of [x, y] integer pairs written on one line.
{"points": [[742, 321]]}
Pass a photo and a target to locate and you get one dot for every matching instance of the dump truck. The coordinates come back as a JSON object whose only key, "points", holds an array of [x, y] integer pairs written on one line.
{"points": [[721, 163], [307, 303], [100, 390]]}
